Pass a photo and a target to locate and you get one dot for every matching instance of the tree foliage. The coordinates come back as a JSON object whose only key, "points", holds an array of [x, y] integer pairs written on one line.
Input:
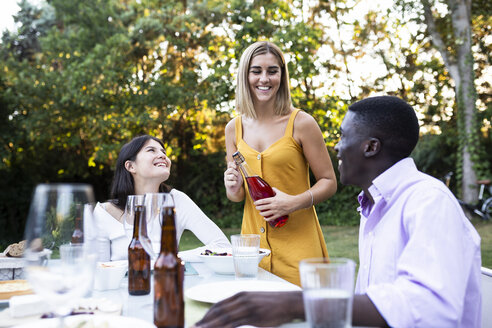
{"points": [[80, 78]]}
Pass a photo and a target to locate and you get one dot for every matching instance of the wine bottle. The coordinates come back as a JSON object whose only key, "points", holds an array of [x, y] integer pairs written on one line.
{"points": [[258, 188], [168, 277], [138, 259]]}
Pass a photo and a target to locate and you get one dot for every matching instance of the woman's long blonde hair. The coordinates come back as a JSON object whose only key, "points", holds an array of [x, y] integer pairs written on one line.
{"points": [[244, 102]]}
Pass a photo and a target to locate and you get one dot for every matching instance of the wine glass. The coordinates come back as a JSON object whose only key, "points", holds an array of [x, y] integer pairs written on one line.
{"points": [[60, 250], [150, 228], [129, 215]]}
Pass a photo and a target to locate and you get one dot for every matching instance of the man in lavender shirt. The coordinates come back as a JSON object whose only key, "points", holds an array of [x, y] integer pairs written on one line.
{"points": [[419, 255]]}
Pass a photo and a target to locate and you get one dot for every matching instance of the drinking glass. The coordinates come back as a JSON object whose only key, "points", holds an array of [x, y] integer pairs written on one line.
{"points": [[150, 228], [328, 286], [129, 214], [245, 252], [60, 252]]}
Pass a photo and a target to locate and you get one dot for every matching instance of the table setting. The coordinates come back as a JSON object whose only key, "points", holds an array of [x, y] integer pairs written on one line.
{"points": [[64, 285]]}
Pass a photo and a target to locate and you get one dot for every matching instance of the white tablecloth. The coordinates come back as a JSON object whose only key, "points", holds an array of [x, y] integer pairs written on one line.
{"points": [[142, 306]]}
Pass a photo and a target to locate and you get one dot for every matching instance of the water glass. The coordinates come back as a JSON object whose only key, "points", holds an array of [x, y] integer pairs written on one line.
{"points": [[328, 286], [245, 253]]}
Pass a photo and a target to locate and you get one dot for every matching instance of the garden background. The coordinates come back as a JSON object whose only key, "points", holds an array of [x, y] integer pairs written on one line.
{"points": [[80, 78]]}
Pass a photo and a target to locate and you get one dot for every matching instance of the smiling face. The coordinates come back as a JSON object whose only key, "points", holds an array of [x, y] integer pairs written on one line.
{"points": [[151, 163], [264, 77], [350, 152]]}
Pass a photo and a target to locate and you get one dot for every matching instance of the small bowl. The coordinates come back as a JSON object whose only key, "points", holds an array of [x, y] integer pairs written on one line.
{"points": [[110, 274], [224, 264]]}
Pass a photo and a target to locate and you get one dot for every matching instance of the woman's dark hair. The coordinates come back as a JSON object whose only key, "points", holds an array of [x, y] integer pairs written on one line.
{"points": [[390, 119], [123, 184]]}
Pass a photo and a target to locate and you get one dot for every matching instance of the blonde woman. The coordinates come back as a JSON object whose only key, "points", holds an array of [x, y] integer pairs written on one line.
{"points": [[280, 143]]}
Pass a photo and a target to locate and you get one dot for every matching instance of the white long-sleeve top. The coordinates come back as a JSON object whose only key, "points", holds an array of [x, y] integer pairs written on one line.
{"points": [[114, 237]]}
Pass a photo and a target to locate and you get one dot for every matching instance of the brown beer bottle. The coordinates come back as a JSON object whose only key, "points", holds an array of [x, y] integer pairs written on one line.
{"points": [[78, 232], [168, 277], [138, 259]]}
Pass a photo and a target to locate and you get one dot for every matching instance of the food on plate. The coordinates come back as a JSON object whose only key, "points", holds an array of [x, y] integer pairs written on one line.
{"points": [[10, 288], [15, 250], [212, 253]]}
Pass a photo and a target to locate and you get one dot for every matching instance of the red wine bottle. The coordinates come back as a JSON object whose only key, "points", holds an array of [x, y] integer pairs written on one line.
{"points": [[258, 188]]}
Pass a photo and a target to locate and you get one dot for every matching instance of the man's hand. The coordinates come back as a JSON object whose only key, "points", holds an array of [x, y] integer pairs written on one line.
{"points": [[261, 309]]}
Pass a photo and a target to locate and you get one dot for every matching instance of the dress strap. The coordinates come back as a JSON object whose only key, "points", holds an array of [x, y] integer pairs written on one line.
{"points": [[239, 130], [290, 125]]}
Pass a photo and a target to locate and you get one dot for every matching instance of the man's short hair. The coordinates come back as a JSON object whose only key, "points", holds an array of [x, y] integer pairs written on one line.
{"points": [[390, 119]]}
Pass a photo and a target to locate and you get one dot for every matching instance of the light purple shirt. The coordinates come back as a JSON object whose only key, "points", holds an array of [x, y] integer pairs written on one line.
{"points": [[419, 255]]}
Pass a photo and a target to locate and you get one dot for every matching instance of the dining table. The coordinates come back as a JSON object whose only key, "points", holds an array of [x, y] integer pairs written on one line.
{"points": [[207, 285], [197, 274]]}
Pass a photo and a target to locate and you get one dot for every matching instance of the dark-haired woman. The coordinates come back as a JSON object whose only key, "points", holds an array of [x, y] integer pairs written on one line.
{"points": [[143, 167]]}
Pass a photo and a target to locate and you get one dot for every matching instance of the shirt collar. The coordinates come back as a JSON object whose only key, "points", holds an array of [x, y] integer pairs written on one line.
{"points": [[384, 185]]}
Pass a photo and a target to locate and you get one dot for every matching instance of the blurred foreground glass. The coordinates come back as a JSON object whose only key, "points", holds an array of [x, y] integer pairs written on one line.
{"points": [[328, 287], [245, 252], [60, 252]]}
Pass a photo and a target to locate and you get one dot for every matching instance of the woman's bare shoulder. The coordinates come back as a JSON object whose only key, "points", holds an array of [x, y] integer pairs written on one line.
{"points": [[305, 121], [231, 124], [230, 131]]}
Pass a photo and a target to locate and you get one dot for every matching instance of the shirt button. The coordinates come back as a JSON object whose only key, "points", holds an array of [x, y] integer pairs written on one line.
{"points": [[259, 156], [262, 230]]}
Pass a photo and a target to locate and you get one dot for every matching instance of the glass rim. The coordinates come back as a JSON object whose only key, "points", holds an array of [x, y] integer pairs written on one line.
{"points": [[134, 196], [248, 235], [154, 193], [327, 261], [63, 186]]}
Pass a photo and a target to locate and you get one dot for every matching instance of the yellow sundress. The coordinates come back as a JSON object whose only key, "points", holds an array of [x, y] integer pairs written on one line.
{"points": [[283, 166]]}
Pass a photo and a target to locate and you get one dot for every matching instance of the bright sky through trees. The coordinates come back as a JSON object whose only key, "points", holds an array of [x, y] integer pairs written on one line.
{"points": [[9, 8]]}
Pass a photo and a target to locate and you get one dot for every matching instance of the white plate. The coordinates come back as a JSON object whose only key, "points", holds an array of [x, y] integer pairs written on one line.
{"points": [[108, 321], [218, 291]]}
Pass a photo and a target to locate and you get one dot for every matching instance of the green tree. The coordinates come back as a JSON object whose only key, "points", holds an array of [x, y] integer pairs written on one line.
{"points": [[449, 25]]}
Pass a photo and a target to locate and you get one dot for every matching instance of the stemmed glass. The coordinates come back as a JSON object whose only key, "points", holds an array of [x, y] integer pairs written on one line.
{"points": [[129, 214], [149, 231], [60, 249], [150, 228]]}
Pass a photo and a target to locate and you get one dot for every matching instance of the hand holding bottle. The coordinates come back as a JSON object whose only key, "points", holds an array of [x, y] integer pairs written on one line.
{"points": [[277, 206], [233, 180], [258, 188]]}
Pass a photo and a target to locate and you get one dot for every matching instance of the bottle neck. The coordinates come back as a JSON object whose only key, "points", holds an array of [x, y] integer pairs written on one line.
{"points": [[78, 216], [246, 170], [78, 223], [169, 243], [139, 221]]}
